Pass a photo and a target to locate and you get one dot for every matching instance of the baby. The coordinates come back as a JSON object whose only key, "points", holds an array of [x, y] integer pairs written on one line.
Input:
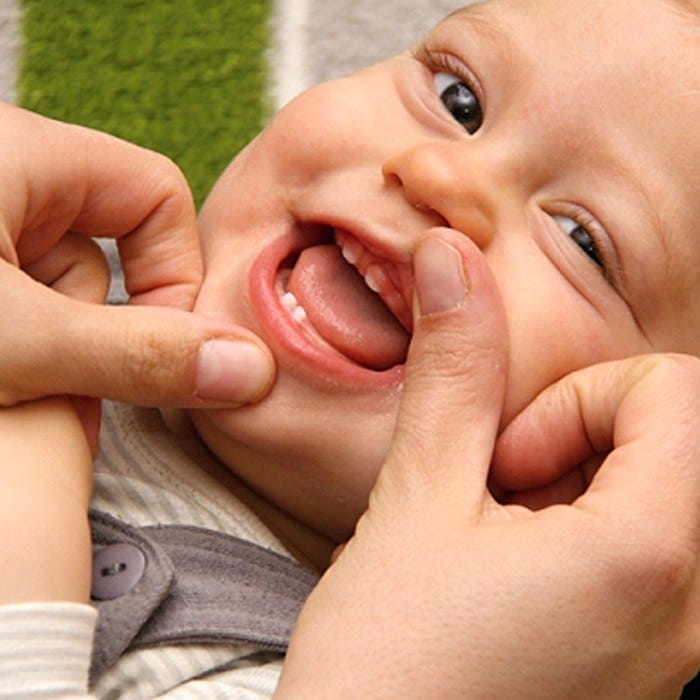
{"points": [[525, 126], [505, 126]]}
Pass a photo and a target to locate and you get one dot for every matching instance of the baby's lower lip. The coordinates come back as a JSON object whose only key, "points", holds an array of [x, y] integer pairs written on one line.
{"points": [[294, 338]]}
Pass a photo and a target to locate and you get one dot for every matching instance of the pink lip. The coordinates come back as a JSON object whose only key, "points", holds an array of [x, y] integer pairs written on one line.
{"points": [[264, 297]]}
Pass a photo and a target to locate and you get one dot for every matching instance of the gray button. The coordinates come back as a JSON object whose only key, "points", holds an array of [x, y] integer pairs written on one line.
{"points": [[116, 569]]}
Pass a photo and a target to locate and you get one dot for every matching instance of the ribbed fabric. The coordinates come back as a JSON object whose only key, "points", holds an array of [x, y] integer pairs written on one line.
{"points": [[142, 477], [45, 649]]}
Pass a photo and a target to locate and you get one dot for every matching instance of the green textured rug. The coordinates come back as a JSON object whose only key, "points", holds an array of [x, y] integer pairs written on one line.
{"points": [[184, 77]]}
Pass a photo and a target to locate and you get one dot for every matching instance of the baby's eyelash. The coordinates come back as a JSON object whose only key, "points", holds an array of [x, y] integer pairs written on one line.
{"points": [[438, 61], [591, 227]]}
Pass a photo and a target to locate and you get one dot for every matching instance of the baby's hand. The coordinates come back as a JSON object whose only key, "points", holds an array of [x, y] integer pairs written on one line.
{"points": [[61, 184]]}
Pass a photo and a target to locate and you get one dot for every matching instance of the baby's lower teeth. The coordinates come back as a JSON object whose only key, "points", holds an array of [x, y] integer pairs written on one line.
{"points": [[290, 303]]}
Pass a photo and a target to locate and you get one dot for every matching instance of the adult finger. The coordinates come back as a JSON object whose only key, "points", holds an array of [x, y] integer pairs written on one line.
{"points": [[149, 356], [75, 267], [70, 178], [455, 374], [643, 413]]}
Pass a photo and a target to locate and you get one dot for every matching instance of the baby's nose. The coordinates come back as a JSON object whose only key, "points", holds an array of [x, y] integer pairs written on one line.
{"points": [[436, 177]]}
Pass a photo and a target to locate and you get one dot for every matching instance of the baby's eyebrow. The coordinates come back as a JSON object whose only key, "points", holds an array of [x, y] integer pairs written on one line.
{"points": [[481, 19]]}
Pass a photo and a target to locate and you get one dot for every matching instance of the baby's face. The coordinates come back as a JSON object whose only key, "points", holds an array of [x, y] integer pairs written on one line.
{"points": [[560, 136]]}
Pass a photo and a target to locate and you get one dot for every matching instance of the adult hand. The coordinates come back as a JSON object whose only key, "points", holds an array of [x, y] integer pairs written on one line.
{"points": [[443, 592], [60, 185]]}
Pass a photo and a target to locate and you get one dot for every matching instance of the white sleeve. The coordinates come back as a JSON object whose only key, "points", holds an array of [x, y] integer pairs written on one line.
{"points": [[45, 650], [255, 682]]}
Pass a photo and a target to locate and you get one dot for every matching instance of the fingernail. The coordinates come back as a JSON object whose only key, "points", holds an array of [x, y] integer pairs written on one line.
{"points": [[232, 370], [440, 282]]}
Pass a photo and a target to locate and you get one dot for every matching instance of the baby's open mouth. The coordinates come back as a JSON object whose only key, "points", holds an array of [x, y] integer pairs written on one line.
{"points": [[345, 297]]}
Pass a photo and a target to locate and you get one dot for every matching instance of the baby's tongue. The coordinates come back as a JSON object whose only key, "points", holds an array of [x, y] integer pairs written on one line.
{"points": [[344, 311]]}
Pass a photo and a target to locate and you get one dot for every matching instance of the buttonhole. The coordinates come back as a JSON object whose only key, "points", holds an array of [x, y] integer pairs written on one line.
{"points": [[113, 569]]}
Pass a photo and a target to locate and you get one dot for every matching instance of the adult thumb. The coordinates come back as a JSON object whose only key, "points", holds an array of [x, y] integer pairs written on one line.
{"points": [[455, 373], [149, 356]]}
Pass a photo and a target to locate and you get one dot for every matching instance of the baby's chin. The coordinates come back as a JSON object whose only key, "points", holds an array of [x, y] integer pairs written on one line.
{"points": [[314, 478]]}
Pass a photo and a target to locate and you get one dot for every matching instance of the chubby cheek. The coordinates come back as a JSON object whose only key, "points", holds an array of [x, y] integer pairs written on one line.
{"points": [[297, 425], [306, 136], [336, 123], [316, 455], [561, 315], [546, 347]]}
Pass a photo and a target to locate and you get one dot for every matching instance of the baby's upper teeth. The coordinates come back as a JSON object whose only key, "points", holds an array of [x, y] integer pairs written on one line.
{"points": [[384, 277], [351, 250], [373, 278]]}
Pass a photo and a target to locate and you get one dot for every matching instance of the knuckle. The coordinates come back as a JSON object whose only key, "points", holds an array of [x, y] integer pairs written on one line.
{"points": [[438, 362], [171, 179], [87, 273], [649, 581], [658, 570], [676, 389], [166, 187], [448, 354], [674, 370], [149, 366], [674, 570]]}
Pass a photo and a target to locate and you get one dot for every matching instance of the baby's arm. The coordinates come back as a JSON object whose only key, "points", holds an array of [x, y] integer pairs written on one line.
{"points": [[46, 625], [45, 485]]}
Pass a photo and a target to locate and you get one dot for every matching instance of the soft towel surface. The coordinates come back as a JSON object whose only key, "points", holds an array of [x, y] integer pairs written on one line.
{"points": [[315, 40], [312, 39]]}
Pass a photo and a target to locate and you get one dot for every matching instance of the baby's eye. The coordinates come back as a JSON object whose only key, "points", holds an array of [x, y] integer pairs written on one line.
{"points": [[580, 236], [459, 100]]}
